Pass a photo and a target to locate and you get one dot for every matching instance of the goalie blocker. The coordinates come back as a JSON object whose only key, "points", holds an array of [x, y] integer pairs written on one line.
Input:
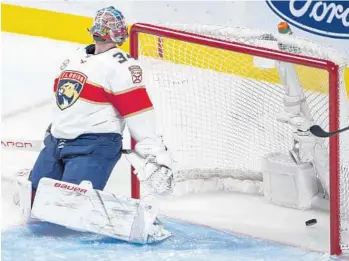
{"points": [[81, 208], [152, 163]]}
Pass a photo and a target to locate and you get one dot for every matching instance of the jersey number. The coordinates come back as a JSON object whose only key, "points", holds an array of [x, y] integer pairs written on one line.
{"points": [[121, 58]]}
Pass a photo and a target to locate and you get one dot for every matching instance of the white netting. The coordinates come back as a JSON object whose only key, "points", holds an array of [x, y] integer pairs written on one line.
{"points": [[217, 109]]}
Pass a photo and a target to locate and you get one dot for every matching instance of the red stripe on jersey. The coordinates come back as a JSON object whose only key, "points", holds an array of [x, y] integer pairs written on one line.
{"points": [[130, 102], [90, 92], [127, 103], [93, 93], [55, 85]]}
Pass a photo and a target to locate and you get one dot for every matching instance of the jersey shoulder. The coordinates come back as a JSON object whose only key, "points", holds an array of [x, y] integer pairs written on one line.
{"points": [[121, 63], [71, 55], [126, 72], [121, 60]]}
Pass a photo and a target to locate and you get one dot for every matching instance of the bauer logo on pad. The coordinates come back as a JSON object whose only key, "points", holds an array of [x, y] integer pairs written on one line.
{"points": [[325, 18], [70, 85]]}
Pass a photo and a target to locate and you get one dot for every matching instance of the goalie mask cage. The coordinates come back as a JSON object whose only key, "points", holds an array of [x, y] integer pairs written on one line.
{"points": [[216, 98]]}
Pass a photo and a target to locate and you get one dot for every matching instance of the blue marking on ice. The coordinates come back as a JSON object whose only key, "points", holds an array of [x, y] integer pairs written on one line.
{"points": [[47, 242]]}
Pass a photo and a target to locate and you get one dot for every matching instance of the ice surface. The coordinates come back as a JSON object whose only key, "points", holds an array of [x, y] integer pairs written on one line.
{"points": [[45, 242]]}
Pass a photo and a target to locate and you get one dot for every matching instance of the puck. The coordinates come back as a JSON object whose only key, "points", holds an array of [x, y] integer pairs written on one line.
{"points": [[310, 222]]}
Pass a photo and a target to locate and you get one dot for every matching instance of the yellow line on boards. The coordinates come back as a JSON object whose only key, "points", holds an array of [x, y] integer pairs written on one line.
{"points": [[50, 24], [73, 28]]}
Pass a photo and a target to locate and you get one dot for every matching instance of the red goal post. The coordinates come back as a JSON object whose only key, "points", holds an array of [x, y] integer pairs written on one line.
{"points": [[333, 79]]}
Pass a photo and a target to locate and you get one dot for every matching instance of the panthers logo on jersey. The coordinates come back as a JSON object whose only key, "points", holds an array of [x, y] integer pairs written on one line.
{"points": [[69, 87]]}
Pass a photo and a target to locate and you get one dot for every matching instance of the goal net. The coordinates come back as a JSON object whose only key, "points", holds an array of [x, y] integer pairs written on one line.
{"points": [[219, 96]]}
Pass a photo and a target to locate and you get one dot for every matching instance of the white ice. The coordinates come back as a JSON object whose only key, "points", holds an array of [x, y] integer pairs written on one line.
{"points": [[28, 66]]}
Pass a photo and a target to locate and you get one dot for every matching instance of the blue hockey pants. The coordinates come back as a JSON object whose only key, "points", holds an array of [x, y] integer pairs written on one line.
{"points": [[89, 157]]}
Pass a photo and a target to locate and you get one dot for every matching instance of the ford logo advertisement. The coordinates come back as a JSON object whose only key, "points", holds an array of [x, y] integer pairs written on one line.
{"points": [[326, 18]]}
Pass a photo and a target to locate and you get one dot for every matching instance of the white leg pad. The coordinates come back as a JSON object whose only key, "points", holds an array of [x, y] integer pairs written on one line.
{"points": [[85, 209], [22, 197]]}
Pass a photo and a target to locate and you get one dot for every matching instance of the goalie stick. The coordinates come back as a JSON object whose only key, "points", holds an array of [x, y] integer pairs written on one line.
{"points": [[32, 145], [19, 144], [319, 132]]}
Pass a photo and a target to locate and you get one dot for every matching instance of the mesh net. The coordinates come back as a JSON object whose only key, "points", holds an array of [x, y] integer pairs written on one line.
{"points": [[217, 109]]}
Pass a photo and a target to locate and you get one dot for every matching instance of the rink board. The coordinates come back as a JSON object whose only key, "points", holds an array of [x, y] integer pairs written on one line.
{"points": [[43, 241]]}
